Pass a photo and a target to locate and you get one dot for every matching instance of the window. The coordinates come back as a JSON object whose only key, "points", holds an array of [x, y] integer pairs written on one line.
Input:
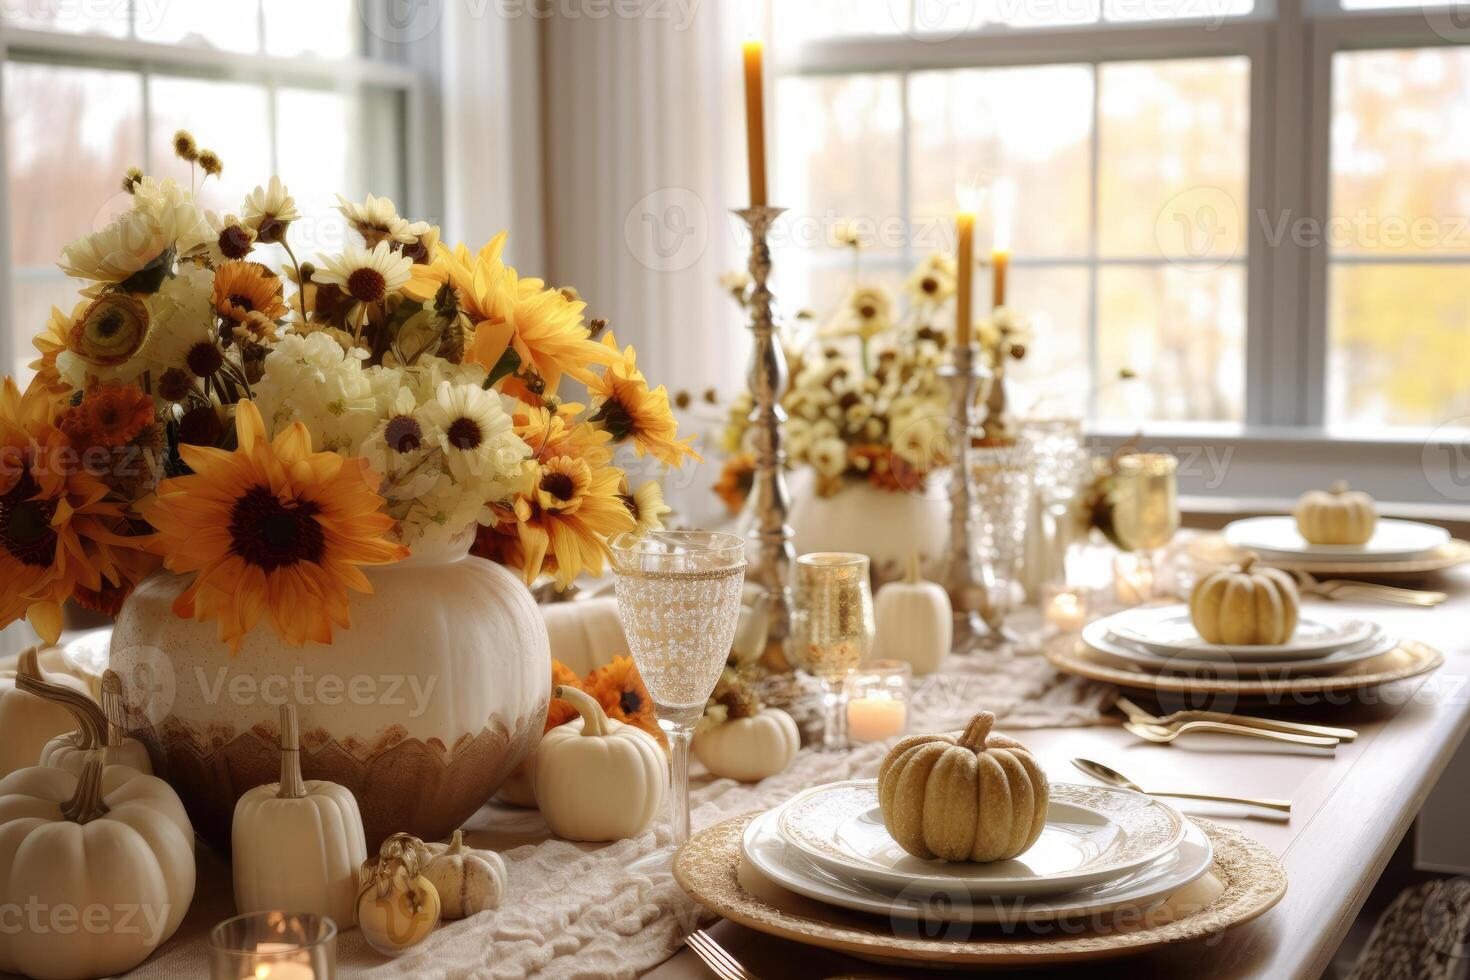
{"points": [[274, 86], [1211, 193]]}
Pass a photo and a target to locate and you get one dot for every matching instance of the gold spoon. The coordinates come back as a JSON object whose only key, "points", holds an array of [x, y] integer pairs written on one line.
{"points": [[1112, 776]]}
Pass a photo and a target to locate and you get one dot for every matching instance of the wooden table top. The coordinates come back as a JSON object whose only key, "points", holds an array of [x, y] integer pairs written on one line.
{"points": [[1350, 811]]}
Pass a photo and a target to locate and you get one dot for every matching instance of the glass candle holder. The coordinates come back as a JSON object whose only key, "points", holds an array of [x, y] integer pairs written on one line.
{"points": [[1133, 578], [1064, 606], [274, 946], [878, 700]]}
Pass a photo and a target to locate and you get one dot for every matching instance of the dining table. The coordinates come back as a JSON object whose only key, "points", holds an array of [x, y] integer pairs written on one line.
{"points": [[1350, 810]]}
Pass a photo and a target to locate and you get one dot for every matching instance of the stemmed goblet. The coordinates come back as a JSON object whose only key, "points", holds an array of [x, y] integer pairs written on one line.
{"points": [[832, 629], [1146, 510], [679, 598]]}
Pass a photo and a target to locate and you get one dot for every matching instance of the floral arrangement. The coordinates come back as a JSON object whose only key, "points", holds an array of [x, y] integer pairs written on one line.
{"points": [[270, 432], [617, 686]]}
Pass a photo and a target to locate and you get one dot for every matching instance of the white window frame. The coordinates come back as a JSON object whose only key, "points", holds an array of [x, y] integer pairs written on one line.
{"points": [[1284, 444], [405, 70]]}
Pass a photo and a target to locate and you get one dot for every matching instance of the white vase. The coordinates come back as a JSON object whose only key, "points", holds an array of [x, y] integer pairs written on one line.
{"points": [[422, 708], [885, 525]]}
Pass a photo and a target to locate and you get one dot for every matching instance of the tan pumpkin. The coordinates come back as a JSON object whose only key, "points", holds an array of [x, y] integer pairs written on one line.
{"points": [[977, 797], [1336, 516], [1245, 605]]}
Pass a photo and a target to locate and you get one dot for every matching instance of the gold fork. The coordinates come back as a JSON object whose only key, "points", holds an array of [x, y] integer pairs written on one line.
{"points": [[1165, 734], [723, 965], [1338, 588], [1138, 715]]}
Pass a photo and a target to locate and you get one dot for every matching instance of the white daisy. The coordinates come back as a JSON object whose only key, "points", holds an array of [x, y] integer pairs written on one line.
{"points": [[475, 435], [376, 219], [233, 238], [130, 243], [366, 276], [269, 210]]}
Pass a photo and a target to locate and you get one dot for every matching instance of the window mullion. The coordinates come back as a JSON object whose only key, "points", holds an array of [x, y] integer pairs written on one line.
{"points": [[1093, 276]]}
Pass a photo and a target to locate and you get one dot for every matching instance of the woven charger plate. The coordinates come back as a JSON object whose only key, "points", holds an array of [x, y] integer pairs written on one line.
{"points": [[1244, 882], [1213, 549], [1409, 659]]}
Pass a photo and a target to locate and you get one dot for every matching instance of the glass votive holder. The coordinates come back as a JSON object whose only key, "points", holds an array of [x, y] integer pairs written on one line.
{"points": [[274, 946], [1133, 579], [1065, 607], [878, 700]]}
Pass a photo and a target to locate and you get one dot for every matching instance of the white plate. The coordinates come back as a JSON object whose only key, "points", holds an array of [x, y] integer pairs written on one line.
{"points": [[1168, 630], [1096, 636], [1092, 834], [1392, 540], [769, 854]]}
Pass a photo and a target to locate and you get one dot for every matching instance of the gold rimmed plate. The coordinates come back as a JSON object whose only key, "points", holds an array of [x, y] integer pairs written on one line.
{"points": [[1215, 550], [1409, 659], [1244, 882]]}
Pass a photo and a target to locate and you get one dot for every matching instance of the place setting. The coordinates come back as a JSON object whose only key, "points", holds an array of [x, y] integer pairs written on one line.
{"points": [[902, 869]]}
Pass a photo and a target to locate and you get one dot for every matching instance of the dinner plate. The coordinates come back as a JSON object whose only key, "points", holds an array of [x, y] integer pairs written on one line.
{"points": [[769, 852], [1392, 540], [1180, 663], [1170, 631], [1093, 834]]}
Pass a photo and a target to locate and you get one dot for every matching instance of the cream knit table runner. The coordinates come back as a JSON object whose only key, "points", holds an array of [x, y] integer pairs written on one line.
{"points": [[573, 911]]}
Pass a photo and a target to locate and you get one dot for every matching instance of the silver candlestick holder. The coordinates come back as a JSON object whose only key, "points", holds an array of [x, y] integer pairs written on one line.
{"points": [[975, 621], [767, 377]]}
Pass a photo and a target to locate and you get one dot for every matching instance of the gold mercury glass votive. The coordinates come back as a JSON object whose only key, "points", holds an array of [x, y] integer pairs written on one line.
{"points": [[831, 628]]}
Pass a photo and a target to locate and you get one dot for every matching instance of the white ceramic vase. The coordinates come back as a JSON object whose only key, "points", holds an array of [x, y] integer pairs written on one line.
{"points": [[882, 524], [422, 708]]}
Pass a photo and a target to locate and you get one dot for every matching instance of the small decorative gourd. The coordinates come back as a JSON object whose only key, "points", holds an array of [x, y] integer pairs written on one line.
{"points": [[1245, 605], [95, 728], [1336, 516], [597, 779], [28, 721], [913, 621], [298, 845], [978, 797], [468, 881], [110, 842], [753, 741], [397, 906]]}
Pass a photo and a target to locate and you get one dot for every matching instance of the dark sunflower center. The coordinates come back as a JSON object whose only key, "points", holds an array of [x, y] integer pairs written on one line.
{"points": [[403, 434], [416, 252], [25, 524], [630, 702], [616, 418], [367, 285], [868, 311], [559, 485], [465, 433], [109, 323], [929, 285], [271, 534], [204, 359], [242, 302], [234, 242]]}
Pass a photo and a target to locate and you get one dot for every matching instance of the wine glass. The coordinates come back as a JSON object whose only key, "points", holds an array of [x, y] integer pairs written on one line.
{"points": [[832, 629], [679, 602], [1146, 510]]}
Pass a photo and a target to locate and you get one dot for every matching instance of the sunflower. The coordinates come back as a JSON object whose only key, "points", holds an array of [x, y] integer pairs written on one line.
{"points": [[541, 325], [271, 528], [365, 276], [560, 711], [619, 688], [56, 527], [108, 416], [558, 433], [647, 506], [629, 410], [51, 342], [242, 288], [570, 510]]}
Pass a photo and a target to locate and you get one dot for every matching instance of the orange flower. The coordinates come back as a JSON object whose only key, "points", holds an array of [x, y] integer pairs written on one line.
{"points": [[56, 527], [242, 288], [109, 415], [736, 479], [49, 343], [619, 688], [561, 711], [628, 409], [570, 512], [271, 529]]}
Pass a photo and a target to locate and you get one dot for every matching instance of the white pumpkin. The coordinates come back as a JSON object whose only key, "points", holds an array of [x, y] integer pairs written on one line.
{"points": [[585, 633], [95, 729], [913, 621], [597, 779], [28, 722], [468, 881], [882, 524], [1336, 516], [298, 844], [751, 748], [398, 907], [113, 848]]}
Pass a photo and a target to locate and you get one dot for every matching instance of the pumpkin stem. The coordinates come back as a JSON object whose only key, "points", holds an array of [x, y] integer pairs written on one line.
{"points": [[977, 731], [594, 719], [1248, 561], [456, 844], [1339, 487], [112, 709], [292, 786], [912, 575], [91, 725], [86, 803]]}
